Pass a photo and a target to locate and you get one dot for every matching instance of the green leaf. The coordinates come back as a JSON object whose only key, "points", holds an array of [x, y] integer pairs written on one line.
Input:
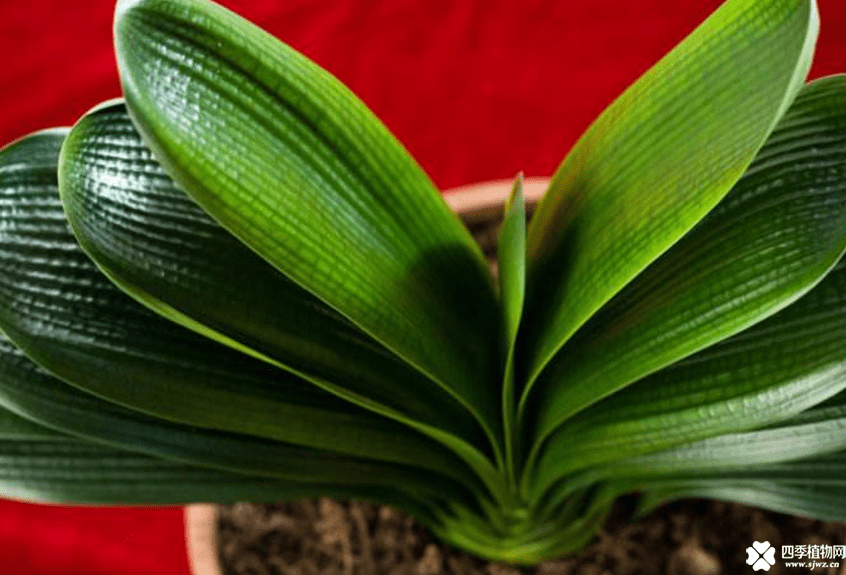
{"points": [[27, 391], [814, 433], [293, 164], [814, 501], [775, 369], [713, 465], [16, 428], [67, 471], [803, 448], [62, 312], [658, 160], [773, 237], [511, 260], [155, 243]]}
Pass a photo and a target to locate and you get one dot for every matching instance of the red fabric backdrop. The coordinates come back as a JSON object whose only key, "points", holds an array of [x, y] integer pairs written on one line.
{"points": [[476, 89]]}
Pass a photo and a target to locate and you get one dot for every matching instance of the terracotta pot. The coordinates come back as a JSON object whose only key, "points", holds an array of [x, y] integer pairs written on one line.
{"points": [[474, 203], [201, 539]]}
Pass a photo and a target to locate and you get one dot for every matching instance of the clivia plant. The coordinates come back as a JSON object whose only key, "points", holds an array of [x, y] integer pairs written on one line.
{"points": [[234, 284]]}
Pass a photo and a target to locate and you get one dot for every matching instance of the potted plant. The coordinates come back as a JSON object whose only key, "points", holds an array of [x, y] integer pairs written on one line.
{"points": [[264, 296]]}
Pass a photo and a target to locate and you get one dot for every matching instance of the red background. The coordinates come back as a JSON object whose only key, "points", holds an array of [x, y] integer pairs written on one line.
{"points": [[476, 89]]}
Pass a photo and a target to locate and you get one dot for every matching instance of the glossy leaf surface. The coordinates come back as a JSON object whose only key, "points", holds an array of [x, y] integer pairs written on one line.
{"points": [[288, 160], [778, 368], [658, 159], [823, 502], [159, 246], [65, 470], [772, 238], [30, 392], [786, 449], [65, 314]]}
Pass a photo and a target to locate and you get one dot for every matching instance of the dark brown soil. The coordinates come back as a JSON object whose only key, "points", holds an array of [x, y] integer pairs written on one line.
{"points": [[324, 537]]}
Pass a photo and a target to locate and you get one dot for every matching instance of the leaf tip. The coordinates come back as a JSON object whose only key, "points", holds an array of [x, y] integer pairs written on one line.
{"points": [[516, 194], [124, 6]]}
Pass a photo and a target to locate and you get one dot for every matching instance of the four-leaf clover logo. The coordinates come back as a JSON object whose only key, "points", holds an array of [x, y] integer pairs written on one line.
{"points": [[760, 555]]}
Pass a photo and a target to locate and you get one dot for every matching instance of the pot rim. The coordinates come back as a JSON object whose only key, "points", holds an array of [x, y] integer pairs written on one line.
{"points": [[475, 202], [201, 539]]}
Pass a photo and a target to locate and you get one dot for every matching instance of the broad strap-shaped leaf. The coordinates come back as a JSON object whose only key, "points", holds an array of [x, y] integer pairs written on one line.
{"points": [[807, 447], [64, 470], [62, 312], [16, 428], [659, 159], [775, 369], [719, 463], [822, 470], [811, 436], [823, 502], [772, 238], [293, 164], [30, 392], [511, 260], [160, 247]]}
